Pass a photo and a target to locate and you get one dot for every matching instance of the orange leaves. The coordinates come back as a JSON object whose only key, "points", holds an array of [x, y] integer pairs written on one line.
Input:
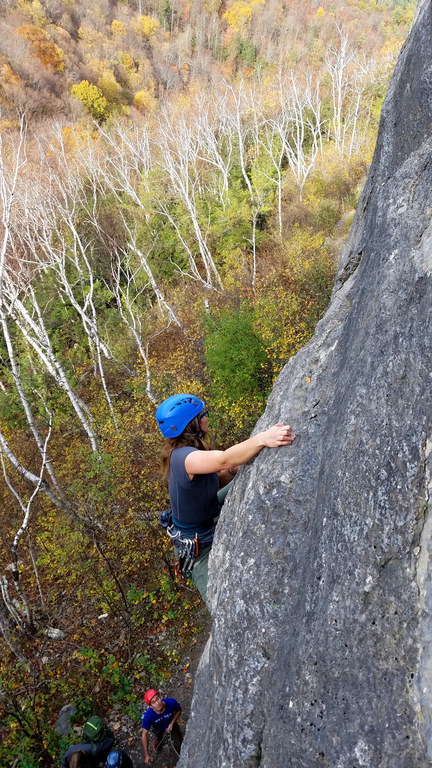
{"points": [[8, 76], [48, 53]]}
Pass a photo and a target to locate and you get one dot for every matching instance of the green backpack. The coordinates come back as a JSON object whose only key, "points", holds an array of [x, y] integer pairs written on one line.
{"points": [[95, 729]]}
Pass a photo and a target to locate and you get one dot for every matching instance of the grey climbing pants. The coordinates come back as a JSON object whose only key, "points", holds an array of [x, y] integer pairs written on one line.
{"points": [[200, 568], [200, 572]]}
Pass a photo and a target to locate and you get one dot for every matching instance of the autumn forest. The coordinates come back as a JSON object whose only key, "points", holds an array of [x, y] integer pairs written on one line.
{"points": [[177, 180]]}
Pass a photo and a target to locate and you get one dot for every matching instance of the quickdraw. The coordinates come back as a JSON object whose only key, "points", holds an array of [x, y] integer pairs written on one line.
{"points": [[187, 548], [187, 552]]}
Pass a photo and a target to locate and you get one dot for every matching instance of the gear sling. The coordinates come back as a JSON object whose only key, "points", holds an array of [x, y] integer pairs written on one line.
{"points": [[187, 549]]}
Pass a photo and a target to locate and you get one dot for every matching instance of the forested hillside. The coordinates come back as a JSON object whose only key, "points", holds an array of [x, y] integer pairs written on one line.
{"points": [[176, 181]]}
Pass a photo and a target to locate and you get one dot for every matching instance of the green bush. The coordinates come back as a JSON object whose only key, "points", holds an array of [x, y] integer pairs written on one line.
{"points": [[235, 354]]}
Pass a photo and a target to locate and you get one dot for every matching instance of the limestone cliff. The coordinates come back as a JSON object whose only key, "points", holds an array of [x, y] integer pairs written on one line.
{"points": [[321, 576]]}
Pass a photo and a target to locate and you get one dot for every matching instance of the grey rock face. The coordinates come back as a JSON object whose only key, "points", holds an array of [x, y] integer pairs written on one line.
{"points": [[321, 574]]}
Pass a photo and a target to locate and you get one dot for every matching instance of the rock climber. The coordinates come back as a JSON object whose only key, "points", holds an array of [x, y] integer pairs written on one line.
{"points": [[195, 472], [161, 716]]}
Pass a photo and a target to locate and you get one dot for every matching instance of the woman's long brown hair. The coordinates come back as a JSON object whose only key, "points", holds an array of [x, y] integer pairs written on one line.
{"points": [[191, 436], [79, 760]]}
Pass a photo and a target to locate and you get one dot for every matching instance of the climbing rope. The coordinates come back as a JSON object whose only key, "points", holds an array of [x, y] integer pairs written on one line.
{"points": [[169, 741], [172, 745]]}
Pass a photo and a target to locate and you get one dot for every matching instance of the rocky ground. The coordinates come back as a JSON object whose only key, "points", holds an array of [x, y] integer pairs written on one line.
{"points": [[179, 686]]}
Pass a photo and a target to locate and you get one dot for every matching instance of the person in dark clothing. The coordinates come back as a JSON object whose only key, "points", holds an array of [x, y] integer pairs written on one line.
{"points": [[195, 472], [80, 760], [87, 755]]}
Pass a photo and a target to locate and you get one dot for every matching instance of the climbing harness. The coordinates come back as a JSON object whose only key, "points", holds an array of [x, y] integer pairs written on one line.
{"points": [[187, 552], [187, 549]]}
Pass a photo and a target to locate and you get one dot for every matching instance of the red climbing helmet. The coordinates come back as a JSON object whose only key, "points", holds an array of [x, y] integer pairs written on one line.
{"points": [[149, 695]]}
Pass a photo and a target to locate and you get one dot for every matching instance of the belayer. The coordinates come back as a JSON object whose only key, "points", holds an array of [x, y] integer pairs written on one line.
{"points": [[195, 473], [161, 717]]}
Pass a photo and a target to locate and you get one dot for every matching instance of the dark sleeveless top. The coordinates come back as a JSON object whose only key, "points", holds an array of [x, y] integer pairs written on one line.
{"points": [[193, 502]]}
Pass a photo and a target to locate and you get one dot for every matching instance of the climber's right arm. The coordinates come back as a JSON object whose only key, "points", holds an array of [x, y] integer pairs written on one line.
{"points": [[204, 462]]}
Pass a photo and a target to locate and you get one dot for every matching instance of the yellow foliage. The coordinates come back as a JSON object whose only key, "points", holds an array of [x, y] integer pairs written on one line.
{"points": [[8, 125], [126, 60], [145, 25], [38, 13], [34, 10], [390, 49], [109, 86], [320, 12], [138, 74], [117, 28], [364, 5], [238, 15], [92, 99], [144, 100], [288, 301], [270, 94], [48, 53], [212, 6], [184, 101], [74, 137], [236, 264], [91, 37], [317, 52], [99, 66], [404, 15]]}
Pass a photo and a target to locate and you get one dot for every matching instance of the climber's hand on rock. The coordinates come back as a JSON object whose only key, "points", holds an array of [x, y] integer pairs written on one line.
{"points": [[279, 434]]}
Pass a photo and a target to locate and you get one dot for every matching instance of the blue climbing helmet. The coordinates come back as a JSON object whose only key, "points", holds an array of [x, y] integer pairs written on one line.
{"points": [[175, 413], [114, 759]]}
